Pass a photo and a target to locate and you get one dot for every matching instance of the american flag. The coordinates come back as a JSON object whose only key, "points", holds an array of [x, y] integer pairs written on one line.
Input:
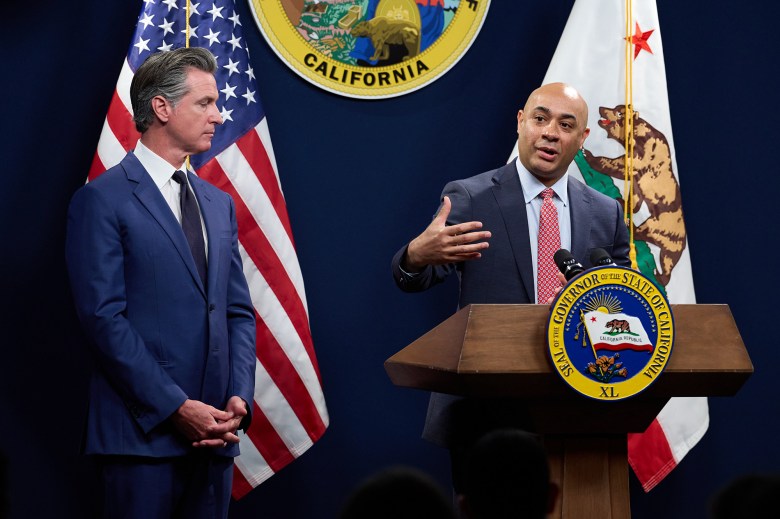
{"points": [[289, 412]]}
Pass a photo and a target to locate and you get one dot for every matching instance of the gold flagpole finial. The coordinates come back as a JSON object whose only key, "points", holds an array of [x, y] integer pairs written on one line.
{"points": [[187, 25]]}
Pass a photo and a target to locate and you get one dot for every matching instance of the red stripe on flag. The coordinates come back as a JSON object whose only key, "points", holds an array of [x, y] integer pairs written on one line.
{"points": [[267, 441], [287, 379], [121, 123], [265, 259], [621, 346], [96, 169], [255, 153], [650, 456], [241, 486], [262, 255]]}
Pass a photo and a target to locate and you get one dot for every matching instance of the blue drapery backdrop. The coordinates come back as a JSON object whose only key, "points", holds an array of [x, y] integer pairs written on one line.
{"points": [[360, 179]]}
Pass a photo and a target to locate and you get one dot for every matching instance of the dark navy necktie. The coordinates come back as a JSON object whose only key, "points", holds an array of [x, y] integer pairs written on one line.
{"points": [[190, 224]]}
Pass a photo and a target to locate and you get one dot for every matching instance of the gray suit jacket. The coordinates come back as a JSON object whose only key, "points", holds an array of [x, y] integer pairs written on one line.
{"points": [[504, 273]]}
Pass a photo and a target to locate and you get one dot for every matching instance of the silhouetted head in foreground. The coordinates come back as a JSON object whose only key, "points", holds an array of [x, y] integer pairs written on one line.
{"points": [[508, 477], [398, 493]]}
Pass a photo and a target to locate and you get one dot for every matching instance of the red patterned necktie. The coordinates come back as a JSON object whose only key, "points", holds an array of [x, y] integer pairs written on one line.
{"points": [[549, 242]]}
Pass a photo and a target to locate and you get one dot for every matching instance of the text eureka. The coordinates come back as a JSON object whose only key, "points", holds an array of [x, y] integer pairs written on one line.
{"points": [[641, 285], [365, 79]]}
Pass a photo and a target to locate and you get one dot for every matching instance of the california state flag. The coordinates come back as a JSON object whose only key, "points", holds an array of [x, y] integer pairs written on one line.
{"points": [[592, 56], [616, 332]]}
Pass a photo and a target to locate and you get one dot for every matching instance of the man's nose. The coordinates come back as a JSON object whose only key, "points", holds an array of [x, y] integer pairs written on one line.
{"points": [[216, 117], [550, 132]]}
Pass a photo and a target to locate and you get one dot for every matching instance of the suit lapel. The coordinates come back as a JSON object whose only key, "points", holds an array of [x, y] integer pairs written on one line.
{"points": [[211, 224], [150, 197], [509, 197], [581, 220]]}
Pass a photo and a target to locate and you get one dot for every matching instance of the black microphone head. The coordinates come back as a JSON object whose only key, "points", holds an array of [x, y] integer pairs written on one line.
{"points": [[560, 258], [567, 264], [600, 257]]}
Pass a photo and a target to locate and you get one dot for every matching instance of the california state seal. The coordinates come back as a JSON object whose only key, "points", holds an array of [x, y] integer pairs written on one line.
{"points": [[370, 49], [610, 333]]}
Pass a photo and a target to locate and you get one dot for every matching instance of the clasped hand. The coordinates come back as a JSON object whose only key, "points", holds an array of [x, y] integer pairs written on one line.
{"points": [[441, 243], [207, 426]]}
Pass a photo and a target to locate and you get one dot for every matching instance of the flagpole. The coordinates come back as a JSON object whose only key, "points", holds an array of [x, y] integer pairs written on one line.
{"points": [[628, 163], [587, 334], [187, 46]]}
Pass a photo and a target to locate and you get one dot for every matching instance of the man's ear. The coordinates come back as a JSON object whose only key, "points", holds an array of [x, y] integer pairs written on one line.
{"points": [[162, 108], [585, 134]]}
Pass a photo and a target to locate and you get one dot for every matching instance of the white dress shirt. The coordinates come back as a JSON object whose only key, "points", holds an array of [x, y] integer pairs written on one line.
{"points": [[162, 175]]}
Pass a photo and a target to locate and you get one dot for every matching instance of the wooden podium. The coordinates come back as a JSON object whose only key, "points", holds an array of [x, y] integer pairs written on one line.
{"points": [[500, 350]]}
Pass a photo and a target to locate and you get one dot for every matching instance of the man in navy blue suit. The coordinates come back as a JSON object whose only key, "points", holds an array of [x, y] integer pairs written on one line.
{"points": [[159, 288], [487, 229]]}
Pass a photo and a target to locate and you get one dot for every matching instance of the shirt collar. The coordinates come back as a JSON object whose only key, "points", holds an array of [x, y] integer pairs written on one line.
{"points": [[532, 187], [157, 167]]}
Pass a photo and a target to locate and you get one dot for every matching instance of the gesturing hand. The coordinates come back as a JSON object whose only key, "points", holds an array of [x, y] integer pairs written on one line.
{"points": [[440, 243]]}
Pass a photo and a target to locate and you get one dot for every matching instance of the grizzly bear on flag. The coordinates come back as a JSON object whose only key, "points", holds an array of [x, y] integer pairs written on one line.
{"points": [[654, 185]]}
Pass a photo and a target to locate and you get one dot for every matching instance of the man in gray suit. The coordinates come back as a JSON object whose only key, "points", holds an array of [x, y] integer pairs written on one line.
{"points": [[487, 230]]}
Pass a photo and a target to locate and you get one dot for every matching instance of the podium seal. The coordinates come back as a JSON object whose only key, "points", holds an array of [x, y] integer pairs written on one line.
{"points": [[610, 333]]}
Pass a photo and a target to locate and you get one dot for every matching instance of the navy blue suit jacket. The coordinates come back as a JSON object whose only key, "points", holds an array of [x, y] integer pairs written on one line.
{"points": [[158, 335], [504, 273]]}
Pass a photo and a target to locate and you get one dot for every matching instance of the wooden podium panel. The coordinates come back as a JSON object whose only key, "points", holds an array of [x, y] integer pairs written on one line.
{"points": [[501, 351]]}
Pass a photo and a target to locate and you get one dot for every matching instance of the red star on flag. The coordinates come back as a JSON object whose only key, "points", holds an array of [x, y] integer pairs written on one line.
{"points": [[593, 319], [639, 39]]}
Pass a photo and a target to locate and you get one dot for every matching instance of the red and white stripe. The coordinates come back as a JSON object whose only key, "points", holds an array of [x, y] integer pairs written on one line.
{"points": [[679, 426], [289, 412]]}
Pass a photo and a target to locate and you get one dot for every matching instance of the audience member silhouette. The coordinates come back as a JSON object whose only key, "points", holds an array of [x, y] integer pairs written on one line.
{"points": [[471, 419], [752, 496], [398, 493], [507, 476]]}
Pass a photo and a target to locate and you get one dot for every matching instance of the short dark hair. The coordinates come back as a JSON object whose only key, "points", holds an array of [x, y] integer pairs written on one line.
{"points": [[751, 496], [508, 476], [165, 74], [398, 492]]}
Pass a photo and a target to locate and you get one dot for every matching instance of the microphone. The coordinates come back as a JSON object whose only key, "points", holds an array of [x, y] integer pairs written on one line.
{"points": [[600, 258], [567, 264]]}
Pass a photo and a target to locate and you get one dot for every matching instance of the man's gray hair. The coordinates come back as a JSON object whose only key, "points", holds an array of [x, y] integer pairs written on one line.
{"points": [[165, 74]]}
